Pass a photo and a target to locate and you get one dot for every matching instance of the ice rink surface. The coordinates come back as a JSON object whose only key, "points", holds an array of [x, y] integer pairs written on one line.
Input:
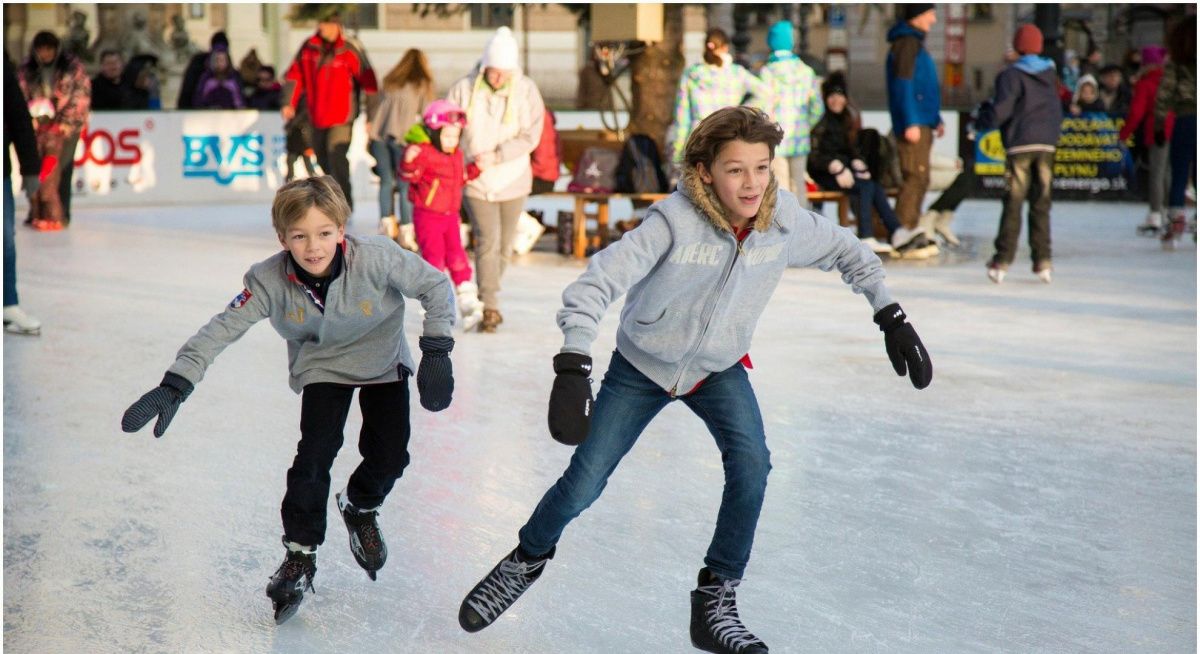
{"points": [[1040, 496]]}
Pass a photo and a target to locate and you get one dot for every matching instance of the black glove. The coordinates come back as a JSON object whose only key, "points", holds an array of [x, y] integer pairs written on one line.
{"points": [[435, 376], [904, 347], [571, 398], [163, 402], [1160, 137]]}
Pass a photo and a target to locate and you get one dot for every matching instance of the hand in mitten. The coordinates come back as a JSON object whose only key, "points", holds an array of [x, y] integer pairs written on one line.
{"points": [[904, 347], [860, 169], [571, 398], [435, 376], [841, 174], [49, 163], [163, 402]]}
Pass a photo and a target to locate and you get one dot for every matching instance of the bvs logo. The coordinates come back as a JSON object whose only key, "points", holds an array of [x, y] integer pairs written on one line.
{"points": [[204, 156]]}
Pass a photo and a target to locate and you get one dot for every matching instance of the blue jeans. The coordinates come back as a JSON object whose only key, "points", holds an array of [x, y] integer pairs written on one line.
{"points": [[1183, 157], [869, 194], [627, 401], [10, 246], [388, 156]]}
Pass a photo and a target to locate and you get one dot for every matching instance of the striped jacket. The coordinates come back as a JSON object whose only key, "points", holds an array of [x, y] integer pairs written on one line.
{"points": [[704, 89], [798, 104]]}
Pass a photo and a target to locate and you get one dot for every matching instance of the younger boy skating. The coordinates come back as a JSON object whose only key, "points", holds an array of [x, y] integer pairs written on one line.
{"points": [[699, 271], [436, 173], [338, 301]]}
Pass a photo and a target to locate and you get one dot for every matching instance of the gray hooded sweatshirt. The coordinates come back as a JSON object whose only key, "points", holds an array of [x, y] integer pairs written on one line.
{"points": [[358, 339], [695, 293]]}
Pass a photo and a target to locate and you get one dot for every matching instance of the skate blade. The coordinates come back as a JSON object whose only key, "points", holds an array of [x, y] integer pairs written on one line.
{"points": [[371, 574], [12, 328]]}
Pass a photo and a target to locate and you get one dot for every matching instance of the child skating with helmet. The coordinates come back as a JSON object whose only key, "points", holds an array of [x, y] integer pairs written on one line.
{"points": [[436, 171]]}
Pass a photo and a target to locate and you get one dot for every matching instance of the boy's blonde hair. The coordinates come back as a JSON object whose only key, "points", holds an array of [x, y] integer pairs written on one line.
{"points": [[730, 124], [293, 200]]}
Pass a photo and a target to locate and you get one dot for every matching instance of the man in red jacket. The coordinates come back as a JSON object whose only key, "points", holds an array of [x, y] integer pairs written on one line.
{"points": [[327, 73]]}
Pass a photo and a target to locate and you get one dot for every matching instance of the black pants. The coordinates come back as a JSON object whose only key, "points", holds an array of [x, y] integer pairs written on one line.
{"points": [[383, 444], [1027, 175], [331, 146], [958, 191]]}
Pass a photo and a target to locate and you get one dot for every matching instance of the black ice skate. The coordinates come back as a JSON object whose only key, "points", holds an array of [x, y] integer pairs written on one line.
{"points": [[716, 626], [366, 541], [287, 585], [500, 588]]}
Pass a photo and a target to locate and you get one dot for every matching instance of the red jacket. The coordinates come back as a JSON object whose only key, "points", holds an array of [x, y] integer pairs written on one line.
{"points": [[1141, 110], [546, 156], [436, 179], [329, 75]]}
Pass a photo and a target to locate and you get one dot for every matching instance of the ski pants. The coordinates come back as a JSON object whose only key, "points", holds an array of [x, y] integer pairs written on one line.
{"points": [[383, 444], [627, 402]]}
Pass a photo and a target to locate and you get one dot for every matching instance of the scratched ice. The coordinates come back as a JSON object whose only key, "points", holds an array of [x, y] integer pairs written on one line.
{"points": [[1039, 496]]}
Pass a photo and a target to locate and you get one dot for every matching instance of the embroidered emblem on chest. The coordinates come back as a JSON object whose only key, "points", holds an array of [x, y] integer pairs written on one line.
{"points": [[365, 305], [296, 316]]}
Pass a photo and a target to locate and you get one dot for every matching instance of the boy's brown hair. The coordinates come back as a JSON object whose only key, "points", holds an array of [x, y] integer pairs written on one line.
{"points": [[729, 124], [293, 200]]}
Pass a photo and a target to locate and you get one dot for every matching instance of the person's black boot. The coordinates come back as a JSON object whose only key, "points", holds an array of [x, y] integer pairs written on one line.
{"points": [[287, 585], [500, 588], [716, 626], [366, 541]]}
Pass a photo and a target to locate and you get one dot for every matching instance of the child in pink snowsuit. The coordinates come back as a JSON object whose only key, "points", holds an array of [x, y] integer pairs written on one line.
{"points": [[436, 172]]}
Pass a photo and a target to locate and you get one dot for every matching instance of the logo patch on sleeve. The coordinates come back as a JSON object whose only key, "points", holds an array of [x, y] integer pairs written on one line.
{"points": [[241, 299]]}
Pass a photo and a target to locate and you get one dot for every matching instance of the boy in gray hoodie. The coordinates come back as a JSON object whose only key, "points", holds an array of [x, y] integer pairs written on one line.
{"points": [[699, 271], [338, 301]]}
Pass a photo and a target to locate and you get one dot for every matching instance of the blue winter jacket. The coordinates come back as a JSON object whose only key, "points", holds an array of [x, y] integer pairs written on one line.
{"points": [[1025, 106], [914, 97]]}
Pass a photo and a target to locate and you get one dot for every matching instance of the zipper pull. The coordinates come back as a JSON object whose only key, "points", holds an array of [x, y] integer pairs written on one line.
{"points": [[672, 391]]}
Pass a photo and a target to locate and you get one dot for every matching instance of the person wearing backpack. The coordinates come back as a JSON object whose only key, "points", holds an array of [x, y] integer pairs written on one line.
{"points": [[640, 167], [797, 107]]}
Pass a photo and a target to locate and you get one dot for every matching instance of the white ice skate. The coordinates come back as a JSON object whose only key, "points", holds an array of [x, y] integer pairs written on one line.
{"points": [[17, 321], [407, 238], [942, 227], [469, 306], [1153, 224], [877, 247], [389, 227]]}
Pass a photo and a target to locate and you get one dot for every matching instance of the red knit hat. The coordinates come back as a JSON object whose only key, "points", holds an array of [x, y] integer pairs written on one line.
{"points": [[1028, 40]]}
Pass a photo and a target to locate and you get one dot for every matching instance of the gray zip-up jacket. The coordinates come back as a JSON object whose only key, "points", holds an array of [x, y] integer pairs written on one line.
{"points": [[695, 293], [359, 339]]}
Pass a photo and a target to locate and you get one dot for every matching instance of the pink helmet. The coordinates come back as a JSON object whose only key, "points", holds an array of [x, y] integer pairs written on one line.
{"points": [[440, 113]]}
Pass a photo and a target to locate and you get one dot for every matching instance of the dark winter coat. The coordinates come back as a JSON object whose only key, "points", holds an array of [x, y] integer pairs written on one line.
{"points": [[1141, 110], [18, 126], [329, 77], [914, 97], [70, 93], [108, 95], [831, 142], [1025, 106], [265, 100]]}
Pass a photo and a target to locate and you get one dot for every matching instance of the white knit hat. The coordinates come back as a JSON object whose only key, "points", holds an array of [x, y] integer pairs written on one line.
{"points": [[501, 51]]}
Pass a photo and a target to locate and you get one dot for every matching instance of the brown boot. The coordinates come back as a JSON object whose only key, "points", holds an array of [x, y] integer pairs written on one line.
{"points": [[491, 320]]}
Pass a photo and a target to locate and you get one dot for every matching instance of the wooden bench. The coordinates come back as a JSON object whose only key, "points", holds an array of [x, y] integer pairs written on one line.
{"points": [[579, 226]]}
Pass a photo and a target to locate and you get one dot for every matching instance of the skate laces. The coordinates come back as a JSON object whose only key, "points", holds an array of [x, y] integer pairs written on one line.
{"points": [[722, 615], [368, 531], [503, 587], [296, 566]]}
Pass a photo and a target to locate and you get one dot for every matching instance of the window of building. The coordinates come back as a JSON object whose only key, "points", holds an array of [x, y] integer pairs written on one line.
{"points": [[365, 16], [984, 12], [491, 15]]}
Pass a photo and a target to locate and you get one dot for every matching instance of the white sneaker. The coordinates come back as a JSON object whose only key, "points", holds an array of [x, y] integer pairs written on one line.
{"points": [[389, 227], [17, 321], [407, 238], [876, 246]]}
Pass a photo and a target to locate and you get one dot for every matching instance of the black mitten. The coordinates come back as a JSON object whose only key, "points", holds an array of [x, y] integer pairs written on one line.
{"points": [[904, 347], [435, 376], [571, 398], [163, 402]]}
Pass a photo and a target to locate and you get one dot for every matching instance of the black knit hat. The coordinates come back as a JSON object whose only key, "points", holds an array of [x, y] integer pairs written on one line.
{"points": [[911, 11], [835, 83]]}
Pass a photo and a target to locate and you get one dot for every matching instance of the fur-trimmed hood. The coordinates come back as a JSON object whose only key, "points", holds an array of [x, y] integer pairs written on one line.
{"points": [[705, 199]]}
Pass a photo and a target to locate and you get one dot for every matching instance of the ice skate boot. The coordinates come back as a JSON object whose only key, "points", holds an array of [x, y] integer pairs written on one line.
{"points": [[877, 247], [1152, 226], [1043, 269], [716, 626], [366, 541], [491, 320], [389, 227], [469, 306], [17, 321], [500, 588], [294, 576], [942, 226], [407, 238], [996, 272], [1174, 230]]}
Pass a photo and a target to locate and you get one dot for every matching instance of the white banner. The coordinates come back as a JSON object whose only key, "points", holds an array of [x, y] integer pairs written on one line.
{"points": [[192, 157]]}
